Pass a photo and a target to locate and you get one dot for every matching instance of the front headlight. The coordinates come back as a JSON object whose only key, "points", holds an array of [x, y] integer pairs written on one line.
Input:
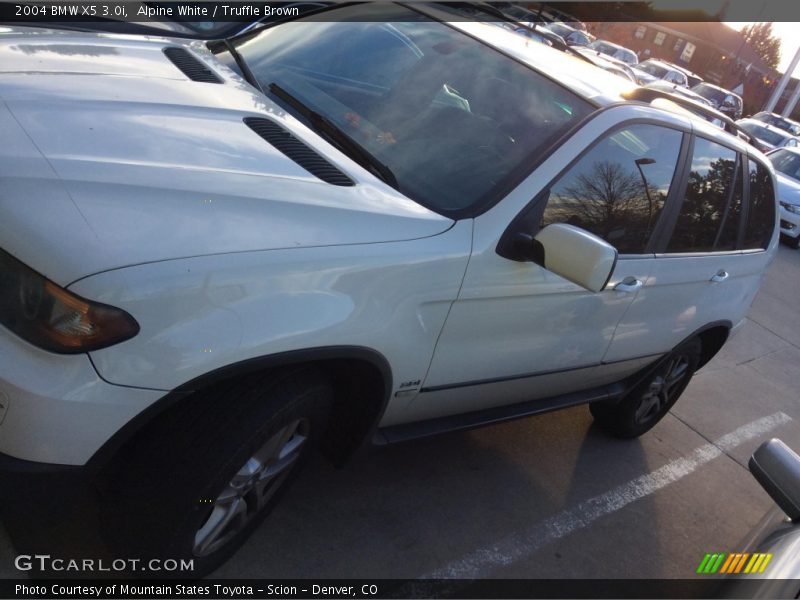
{"points": [[792, 208], [52, 318]]}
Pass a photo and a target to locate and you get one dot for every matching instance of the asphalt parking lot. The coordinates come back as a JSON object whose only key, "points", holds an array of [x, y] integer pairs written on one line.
{"points": [[552, 496]]}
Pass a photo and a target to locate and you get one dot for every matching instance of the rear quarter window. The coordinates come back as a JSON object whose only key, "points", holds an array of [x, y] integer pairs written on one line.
{"points": [[761, 212]]}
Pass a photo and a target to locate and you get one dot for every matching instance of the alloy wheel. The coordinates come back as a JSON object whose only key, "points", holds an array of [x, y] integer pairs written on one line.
{"points": [[251, 488]]}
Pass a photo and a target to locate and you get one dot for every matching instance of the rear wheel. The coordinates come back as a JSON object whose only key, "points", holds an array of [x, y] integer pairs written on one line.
{"points": [[200, 480], [648, 402]]}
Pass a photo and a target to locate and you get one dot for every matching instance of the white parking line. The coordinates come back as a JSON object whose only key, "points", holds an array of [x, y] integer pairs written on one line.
{"points": [[478, 563]]}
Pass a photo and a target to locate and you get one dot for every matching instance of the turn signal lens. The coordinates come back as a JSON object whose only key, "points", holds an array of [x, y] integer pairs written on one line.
{"points": [[52, 318]]}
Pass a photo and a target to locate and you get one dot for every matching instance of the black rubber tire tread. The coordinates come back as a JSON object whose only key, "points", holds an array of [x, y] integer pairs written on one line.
{"points": [[619, 419], [153, 492]]}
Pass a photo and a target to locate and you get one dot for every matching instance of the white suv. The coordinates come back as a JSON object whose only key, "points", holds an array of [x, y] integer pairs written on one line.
{"points": [[368, 229]]}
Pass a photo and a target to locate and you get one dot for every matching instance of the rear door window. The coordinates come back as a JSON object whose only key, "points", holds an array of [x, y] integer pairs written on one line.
{"points": [[708, 194]]}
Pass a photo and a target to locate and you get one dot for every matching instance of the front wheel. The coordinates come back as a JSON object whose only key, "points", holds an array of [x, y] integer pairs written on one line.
{"points": [[203, 477], [648, 402]]}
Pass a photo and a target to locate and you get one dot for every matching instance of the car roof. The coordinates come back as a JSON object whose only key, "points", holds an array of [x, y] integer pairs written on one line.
{"points": [[776, 116], [656, 61]]}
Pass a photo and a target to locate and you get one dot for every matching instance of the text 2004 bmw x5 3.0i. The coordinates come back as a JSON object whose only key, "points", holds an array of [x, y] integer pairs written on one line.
{"points": [[218, 256]]}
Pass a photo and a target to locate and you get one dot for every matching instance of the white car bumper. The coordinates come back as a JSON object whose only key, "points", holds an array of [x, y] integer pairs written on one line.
{"points": [[55, 408]]}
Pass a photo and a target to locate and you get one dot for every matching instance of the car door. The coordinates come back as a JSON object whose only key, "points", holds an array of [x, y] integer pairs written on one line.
{"points": [[712, 255], [518, 332]]}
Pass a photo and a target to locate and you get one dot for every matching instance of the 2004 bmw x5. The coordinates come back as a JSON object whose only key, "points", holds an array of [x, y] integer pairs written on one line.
{"points": [[370, 228]]}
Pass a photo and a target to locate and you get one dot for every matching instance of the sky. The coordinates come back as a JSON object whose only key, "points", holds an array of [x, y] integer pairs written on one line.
{"points": [[788, 34], [755, 10]]}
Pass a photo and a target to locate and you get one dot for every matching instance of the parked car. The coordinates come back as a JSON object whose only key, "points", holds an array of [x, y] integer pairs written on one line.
{"points": [[693, 78], [775, 539], [535, 34], [787, 169], [766, 137], [217, 257], [787, 125], [606, 62], [571, 36], [651, 70], [723, 100], [541, 33], [705, 110], [614, 50]]}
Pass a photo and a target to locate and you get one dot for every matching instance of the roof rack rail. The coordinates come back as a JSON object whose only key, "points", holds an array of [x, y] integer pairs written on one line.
{"points": [[645, 94]]}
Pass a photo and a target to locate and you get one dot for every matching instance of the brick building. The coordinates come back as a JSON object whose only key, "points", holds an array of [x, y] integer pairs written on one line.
{"points": [[711, 49]]}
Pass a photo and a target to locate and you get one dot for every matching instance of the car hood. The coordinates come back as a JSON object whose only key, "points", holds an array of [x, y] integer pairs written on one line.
{"points": [[111, 156], [788, 189]]}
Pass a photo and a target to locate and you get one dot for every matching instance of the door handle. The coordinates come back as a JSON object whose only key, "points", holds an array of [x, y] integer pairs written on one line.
{"points": [[628, 285], [721, 276]]}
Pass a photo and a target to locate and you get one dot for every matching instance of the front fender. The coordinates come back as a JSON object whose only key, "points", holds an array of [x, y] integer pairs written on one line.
{"points": [[201, 314]]}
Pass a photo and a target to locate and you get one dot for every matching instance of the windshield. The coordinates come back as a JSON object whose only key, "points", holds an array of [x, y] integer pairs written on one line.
{"points": [[778, 122], [652, 68], [786, 162], [603, 47], [455, 121], [519, 13], [706, 91], [561, 30], [770, 136]]}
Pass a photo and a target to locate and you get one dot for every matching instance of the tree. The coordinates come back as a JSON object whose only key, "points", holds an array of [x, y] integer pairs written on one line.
{"points": [[760, 38]]}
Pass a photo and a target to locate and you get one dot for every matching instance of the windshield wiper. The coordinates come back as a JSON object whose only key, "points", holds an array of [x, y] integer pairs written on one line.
{"points": [[240, 62], [337, 137]]}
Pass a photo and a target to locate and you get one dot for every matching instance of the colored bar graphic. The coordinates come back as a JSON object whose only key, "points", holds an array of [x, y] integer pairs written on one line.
{"points": [[765, 563], [703, 563], [727, 564], [755, 563], [711, 562], [736, 562], [718, 562], [741, 563]]}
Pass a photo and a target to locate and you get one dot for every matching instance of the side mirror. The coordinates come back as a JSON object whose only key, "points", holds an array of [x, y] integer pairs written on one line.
{"points": [[777, 469], [574, 254]]}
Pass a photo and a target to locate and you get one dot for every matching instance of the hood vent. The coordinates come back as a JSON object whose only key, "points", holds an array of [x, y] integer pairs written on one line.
{"points": [[298, 151], [191, 66]]}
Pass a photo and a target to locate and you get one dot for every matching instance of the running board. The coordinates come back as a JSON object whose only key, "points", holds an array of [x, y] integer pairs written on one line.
{"points": [[490, 416]]}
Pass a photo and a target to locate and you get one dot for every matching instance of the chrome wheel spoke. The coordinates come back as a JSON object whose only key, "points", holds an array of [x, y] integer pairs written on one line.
{"points": [[676, 375], [250, 489], [216, 530], [651, 401], [271, 477]]}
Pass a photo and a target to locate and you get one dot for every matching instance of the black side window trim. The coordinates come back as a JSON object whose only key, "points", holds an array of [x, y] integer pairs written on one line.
{"points": [[737, 172], [672, 206], [527, 220]]}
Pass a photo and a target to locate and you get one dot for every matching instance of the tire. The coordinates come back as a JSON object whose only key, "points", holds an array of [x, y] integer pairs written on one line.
{"points": [[648, 402], [201, 479], [790, 241]]}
